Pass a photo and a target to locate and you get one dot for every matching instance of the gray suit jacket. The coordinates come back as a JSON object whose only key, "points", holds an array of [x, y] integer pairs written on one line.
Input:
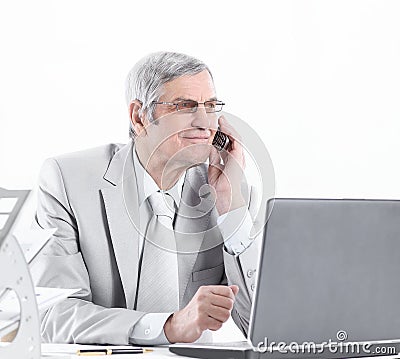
{"points": [[91, 198]]}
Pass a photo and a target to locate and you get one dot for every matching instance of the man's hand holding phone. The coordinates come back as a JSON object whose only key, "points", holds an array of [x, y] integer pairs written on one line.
{"points": [[225, 171]]}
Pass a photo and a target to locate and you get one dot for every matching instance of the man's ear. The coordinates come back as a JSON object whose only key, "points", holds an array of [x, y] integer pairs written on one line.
{"points": [[136, 118]]}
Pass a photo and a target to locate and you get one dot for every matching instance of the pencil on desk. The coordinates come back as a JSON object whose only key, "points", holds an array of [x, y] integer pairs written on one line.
{"points": [[92, 352]]}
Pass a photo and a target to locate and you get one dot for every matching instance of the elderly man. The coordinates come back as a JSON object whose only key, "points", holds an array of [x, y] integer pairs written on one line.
{"points": [[156, 239]]}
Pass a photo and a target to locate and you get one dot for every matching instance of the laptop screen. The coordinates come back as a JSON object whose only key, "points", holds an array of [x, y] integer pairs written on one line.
{"points": [[328, 266]]}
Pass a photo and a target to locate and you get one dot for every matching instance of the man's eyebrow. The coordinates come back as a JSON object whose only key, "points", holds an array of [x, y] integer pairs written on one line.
{"points": [[181, 99], [189, 99]]}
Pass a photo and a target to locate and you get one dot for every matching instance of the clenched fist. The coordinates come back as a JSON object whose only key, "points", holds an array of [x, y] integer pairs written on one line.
{"points": [[209, 308]]}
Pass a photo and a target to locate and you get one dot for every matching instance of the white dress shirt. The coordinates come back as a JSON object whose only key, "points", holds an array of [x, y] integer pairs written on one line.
{"points": [[149, 330]]}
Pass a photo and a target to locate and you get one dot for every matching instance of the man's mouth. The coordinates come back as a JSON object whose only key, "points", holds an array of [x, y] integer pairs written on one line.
{"points": [[196, 136], [197, 140]]}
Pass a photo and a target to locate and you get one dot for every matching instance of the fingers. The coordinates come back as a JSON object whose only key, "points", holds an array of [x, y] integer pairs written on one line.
{"points": [[219, 313], [214, 156], [222, 290], [213, 324], [214, 305], [235, 289], [218, 296], [235, 148], [229, 130], [215, 159], [221, 301]]}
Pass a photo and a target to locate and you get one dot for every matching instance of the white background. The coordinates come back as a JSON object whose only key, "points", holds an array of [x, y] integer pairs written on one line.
{"points": [[318, 80]]}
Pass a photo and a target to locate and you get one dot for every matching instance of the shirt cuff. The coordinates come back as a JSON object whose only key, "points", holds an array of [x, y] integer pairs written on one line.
{"points": [[235, 227], [149, 330]]}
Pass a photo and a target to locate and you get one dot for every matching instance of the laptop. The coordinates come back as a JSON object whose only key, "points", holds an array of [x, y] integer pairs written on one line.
{"points": [[328, 283]]}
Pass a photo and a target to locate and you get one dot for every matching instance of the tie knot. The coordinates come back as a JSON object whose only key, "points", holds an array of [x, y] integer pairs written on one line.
{"points": [[162, 204]]}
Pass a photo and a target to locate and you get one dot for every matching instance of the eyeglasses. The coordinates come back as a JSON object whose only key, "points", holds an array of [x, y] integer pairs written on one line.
{"points": [[191, 105]]}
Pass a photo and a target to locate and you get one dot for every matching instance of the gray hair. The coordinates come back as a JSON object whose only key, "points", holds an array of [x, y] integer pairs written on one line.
{"points": [[146, 79]]}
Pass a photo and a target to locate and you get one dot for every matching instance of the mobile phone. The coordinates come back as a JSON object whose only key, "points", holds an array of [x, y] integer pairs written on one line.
{"points": [[220, 141]]}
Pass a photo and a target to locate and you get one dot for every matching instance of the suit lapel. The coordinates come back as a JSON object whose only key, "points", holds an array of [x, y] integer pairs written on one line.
{"points": [[193, 222], [122, 211]]}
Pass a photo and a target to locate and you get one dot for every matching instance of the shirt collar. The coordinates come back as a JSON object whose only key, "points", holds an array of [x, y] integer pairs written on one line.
{"points": [[147, 186]]}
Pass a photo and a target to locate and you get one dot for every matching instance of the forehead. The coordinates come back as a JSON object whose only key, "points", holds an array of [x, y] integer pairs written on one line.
{"points": [[198, 87]]}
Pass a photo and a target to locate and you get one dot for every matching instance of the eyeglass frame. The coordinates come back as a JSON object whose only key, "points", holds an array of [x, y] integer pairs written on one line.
{"points": [[176, 104]]}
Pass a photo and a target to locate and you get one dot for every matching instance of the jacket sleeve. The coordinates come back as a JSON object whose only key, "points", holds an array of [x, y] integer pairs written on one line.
{"points": [[240, 268], [61, 264]]}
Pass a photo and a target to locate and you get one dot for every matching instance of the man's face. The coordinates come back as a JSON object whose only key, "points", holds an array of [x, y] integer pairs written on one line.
{"points": [[183, 138]]}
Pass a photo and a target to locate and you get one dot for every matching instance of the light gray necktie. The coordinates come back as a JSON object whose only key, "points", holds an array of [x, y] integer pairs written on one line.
{"points": [[158, 290]]}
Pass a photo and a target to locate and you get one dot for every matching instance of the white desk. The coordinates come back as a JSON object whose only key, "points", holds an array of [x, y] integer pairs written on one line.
{"points": [[161, 352], [228, 333], [65, 351]]}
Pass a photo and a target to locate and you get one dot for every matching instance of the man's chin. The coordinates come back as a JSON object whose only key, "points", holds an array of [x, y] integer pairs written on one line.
{"points": [[192, 161], [192, 155]]}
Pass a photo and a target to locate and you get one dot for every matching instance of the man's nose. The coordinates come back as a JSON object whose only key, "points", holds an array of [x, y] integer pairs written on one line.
{"points": [[202, 119]]}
